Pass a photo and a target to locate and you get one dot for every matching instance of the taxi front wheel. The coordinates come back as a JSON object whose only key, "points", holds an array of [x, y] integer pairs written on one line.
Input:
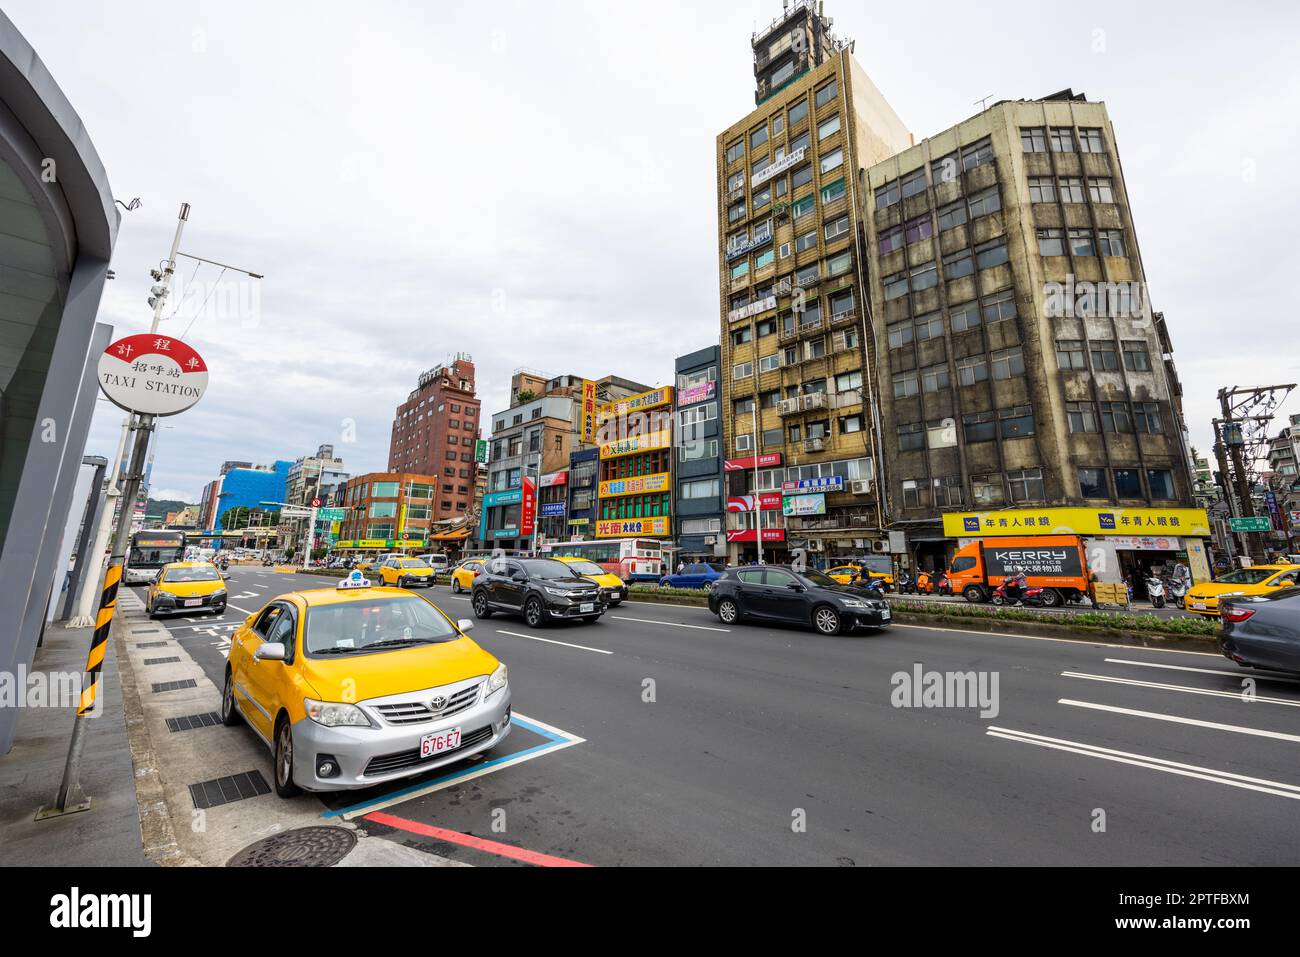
{"points": [[229, 713], [284, 786]]}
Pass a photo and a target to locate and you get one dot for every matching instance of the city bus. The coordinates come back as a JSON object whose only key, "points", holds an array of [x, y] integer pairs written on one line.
{"points": [[149, 552], [631, 559]]}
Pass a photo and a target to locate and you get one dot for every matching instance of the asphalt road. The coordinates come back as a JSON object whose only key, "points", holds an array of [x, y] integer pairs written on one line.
{"points": [[760, 744]]}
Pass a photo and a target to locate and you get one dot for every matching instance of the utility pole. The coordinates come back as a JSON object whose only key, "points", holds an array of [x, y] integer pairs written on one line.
{"points": [[70, 798]]}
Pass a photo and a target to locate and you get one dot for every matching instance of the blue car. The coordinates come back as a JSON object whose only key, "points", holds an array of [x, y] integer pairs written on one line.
{"points": [[701, 575]]}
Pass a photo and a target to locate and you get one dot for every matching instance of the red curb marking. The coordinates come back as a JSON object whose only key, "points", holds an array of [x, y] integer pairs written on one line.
{"points": [[478, 843]]}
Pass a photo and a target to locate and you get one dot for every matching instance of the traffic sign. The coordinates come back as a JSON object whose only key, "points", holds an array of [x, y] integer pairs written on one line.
{"points": [[1256, 523], [152, 374], [315, 503]]}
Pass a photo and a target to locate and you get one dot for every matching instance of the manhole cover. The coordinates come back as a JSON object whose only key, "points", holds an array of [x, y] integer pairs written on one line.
{"points": [[301, 847]]}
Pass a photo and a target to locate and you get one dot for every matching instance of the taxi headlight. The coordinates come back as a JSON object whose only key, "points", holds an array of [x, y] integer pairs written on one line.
{"points": [[166, 594], [1231, 594], [496, 682], [335, 715], [219, 593]]}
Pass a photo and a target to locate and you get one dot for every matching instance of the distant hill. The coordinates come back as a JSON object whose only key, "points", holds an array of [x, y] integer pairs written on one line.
{"points": [[161, 506]]}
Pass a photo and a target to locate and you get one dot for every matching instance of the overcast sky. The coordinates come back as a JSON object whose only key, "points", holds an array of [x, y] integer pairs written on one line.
{"points": [[534, 183]]}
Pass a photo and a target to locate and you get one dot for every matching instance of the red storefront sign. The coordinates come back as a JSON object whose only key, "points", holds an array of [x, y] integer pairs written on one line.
{"points": [[528, 507], [751, 535], [763, 501], [766, 460]]}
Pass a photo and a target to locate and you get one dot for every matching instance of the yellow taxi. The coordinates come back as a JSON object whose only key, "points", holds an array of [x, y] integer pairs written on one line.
{"points": [[1203, 599], [462, 576], [847, 574], [404, 572], [360, 685], [612, 588], [186, 587]]}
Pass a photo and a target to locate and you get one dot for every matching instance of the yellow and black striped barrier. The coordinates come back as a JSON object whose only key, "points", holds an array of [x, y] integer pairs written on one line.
{"points": [[99, 641]]}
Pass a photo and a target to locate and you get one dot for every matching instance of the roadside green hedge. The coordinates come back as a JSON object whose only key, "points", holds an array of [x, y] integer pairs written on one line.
{"points": [[641, 589], [1187, 626]]}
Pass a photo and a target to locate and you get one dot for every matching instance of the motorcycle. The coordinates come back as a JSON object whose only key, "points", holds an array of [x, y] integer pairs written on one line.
{"points": [[1029, 597], [941, 584], [1178, 592], [906, 586], [1156, 592]]}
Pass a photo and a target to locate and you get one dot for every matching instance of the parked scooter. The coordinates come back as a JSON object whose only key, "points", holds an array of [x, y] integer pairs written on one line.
{"points": [[941, 584], [906, 584], [1029, 597], [1178, 592], [1156, 592]]}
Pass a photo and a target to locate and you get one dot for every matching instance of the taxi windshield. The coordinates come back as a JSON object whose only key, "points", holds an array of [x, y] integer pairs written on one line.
{"points": [[1247, 576], [586, 568], [203, 573], [376, 624], [412, 563]]}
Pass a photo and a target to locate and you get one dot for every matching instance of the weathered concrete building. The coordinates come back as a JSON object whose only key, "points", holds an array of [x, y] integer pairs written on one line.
{"points": [[1018, 356]]}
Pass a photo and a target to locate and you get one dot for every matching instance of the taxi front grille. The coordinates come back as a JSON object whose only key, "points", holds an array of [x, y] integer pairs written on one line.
{"points": [[418, 712], [400, 760]]}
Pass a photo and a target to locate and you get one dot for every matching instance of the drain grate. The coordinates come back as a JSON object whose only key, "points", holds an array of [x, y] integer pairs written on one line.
{"points": [[227, 790], [151, 644], [191, 721], [161, 661], [301, 847], [174, 685]]}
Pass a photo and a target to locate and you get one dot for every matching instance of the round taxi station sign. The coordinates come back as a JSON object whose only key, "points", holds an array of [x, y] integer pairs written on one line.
{"points": [[152, 374]]}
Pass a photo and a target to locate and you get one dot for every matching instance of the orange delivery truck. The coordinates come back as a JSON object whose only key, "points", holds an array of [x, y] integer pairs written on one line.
{"points": [[1056, 563]]}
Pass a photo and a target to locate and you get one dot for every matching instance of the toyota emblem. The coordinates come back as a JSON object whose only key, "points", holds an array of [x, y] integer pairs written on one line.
{"points": [[438, 703]]}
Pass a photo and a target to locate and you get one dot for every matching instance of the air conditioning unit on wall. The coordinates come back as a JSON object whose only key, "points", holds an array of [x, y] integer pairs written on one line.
{"points": [[860, 486], [880, 545]]}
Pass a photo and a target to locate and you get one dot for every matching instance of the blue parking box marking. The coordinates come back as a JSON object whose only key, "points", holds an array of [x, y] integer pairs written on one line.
{"points": [[556, 740]]}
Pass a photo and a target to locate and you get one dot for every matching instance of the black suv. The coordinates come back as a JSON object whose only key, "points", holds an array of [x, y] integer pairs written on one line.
{"points": [[809, 597], [541, 589]]}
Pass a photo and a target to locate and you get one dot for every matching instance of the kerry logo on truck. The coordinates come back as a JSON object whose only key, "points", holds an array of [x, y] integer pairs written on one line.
{"points": [[1033, 561], [152, 374]]}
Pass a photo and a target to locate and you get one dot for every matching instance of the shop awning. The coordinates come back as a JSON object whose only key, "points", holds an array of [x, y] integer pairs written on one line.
{"points": [[458, 535]]}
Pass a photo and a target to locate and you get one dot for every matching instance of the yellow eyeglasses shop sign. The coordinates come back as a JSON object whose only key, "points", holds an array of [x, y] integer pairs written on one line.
{"points": [[635, 485], [638, 403], [623, 527], [637, 443], [1077, 521]]}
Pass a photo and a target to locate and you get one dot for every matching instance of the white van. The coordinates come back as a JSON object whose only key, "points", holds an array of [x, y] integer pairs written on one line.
{"points": [[438, 563]]}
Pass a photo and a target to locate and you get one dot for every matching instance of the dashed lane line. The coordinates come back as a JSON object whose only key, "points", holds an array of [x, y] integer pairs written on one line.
{"points": [[673, 624], [552, 641], [1186, 689], [1240, 673], [1178, 719]]}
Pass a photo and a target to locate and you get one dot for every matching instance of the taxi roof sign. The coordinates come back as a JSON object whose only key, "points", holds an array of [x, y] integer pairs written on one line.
{"points": [[354, 580]]}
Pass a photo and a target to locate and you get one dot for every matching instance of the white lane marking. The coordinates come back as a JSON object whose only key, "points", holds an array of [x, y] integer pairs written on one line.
{"points": [[458, 597], [1071, 641], [1176, 719], [674, 624], [1184, 688], [1263, 785], [552, 641], [1240, 673], [237, 608]]}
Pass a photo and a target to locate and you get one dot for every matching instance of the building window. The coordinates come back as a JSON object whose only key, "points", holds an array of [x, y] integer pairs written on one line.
{"points": [[986, 489], [947, 491], [972, 370], [742, 370], [772, 438], [850, 424], [765, 327], [1000, 306], [1081, 417], [701, 488], [915, 494], [1127, 483], [1110, 242], [758, 137], [900, 334], [979, 427], [1071, 189], [1081, 243], [1070, 354], [848, 381], [1042, 189], [941, 434], [989, 201], [769, 363], [1092, 483], [833, 192], [1090, 141], [1031, 140], [1115, 418], [828, 127], [924, 277], [1161, 482], [743, 406], [1008, 363], [964, 316], [888, 194], [929, 327], [935, 378], [836, 228], [1062, 139], [911, 438], [958, 266], [1016, 422], [952, 216], [798, 112], [832, 160], [1136, 357], [918, 229], [1026, 485], [990, 254], [1051, 242], [890, 240], [1101, 191], [895, 285], [735, 151], [905, 384], [806, 241], [826, 94], [1104, 358], [913, 183], [1146, 416], [740, 336], [977, 154]]}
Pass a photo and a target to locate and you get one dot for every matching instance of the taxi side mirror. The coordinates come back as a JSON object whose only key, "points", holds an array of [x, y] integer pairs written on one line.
{"points": [[270, 651], [465, 624]]}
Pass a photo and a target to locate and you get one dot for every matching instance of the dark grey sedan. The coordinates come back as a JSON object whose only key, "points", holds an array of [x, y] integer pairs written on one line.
{"points": [[1262, 631]]}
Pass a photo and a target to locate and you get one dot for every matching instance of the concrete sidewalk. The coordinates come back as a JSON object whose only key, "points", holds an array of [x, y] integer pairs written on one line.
{"points": [[108, 833]]}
